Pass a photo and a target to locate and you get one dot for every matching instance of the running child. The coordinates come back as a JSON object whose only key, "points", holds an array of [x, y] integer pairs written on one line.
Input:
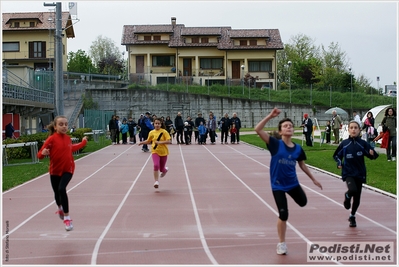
{"points": [[283, 177], [159, 138], [62, 165], [349, 156]]}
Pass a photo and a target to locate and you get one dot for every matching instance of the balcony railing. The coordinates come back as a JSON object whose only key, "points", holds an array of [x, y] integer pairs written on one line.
{"points": [[24, 93]]}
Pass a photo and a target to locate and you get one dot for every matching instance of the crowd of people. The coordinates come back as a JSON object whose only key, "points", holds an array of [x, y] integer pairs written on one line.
{"points": [[185, 131], [368, 130]]}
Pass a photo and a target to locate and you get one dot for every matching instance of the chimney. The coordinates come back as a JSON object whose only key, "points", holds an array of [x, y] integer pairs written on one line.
{"points": [[173, 19]]}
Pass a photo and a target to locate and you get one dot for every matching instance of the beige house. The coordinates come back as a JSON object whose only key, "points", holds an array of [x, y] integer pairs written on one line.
{"points": [[28, 39], [201, 55]]}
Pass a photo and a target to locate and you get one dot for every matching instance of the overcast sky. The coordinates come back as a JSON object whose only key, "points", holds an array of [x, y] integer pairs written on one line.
{"points": [[366, 31]]}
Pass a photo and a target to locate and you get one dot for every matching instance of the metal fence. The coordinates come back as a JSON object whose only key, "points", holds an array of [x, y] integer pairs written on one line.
{"points": [[24, 93], [97, 119]]}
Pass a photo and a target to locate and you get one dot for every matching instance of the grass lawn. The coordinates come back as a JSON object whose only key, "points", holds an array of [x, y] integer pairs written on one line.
{"points": [[19, 174], [380, 172]]}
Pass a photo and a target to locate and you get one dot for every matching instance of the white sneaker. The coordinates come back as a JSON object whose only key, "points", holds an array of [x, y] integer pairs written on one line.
{"points": [[68, 225], [156, 184], [393, 158], [281, 248], [164, 173]]}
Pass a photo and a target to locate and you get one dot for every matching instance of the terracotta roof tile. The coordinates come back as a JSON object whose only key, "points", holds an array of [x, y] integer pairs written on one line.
{"points": [[225, 35], [46, 21]]}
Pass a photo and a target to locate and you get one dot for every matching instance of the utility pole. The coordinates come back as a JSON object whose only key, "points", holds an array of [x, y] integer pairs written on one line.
{"points": [[59, 90]]}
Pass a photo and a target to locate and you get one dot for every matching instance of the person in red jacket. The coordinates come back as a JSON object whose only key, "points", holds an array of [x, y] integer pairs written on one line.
{"points": [[58, 146]]}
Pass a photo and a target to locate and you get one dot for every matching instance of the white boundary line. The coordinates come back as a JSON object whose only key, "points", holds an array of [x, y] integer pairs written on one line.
{"points": [[197, 217], [339, 177], [38, 212], [101, 238], [320, 194]]}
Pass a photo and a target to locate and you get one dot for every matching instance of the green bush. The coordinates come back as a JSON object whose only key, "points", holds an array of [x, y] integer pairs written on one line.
{"points": [[25, 152]]}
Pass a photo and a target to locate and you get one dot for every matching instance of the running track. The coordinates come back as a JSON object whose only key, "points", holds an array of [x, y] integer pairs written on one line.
{"points": [[213, 207]]}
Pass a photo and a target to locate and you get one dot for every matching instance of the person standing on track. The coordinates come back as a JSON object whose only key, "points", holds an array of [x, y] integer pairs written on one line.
{"points": [[62, 165], [146, 126], [350, 158], [283, 177], [159, 138]]}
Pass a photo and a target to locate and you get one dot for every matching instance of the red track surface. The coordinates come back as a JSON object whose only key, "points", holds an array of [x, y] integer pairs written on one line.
{"points": [[214, 206]]}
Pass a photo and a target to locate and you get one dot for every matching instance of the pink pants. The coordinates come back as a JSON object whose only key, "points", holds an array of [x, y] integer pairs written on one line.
{"points": [[159, 162]]}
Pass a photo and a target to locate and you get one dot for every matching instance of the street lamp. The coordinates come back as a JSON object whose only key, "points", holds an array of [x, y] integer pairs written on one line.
{"points": [[378, 88], [242, 75], [289, 76], [350, 70]]}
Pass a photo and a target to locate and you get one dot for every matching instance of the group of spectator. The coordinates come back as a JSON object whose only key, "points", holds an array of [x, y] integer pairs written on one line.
{"points": [[333, 126], [180, 128]]}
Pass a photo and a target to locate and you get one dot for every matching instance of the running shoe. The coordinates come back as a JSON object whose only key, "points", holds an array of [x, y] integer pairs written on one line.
{"points": [[347, 202], [352, 221], [156, 184], [164, 173], [68, 225], [281, 248], [60, 213]]}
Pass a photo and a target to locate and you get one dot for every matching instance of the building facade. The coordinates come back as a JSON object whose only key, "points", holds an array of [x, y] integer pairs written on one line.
{"points": [[201, 55], [28, 39]]}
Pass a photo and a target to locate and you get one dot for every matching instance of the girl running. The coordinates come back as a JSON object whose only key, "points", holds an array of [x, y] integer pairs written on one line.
{"points": [[159, 138], [62, 165], [350, 158], [283, 175]]}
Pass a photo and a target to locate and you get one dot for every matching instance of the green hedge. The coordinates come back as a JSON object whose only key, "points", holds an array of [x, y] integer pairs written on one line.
{"points": [[25, 152]]}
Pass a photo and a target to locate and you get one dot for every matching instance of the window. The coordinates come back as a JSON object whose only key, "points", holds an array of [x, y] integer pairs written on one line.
{"points": [[259, 66], [31, 24], [11, 47], [195, 40], [204, 40], [253, 42], [16, 24], [157, 38], [37, 50], [243, 42], [211, 63], [147, 38], [163, 61]]}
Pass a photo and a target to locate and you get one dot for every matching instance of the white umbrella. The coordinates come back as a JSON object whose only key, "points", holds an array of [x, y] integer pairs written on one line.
{"points": [[339, 111], [378, 114]]}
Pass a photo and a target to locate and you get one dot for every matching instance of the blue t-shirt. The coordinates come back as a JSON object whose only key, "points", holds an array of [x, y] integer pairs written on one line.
{"points": [[282, 165]]}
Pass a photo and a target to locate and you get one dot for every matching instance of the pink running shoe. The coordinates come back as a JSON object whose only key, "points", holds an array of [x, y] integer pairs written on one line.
{"points": [[60, 213], [68, 225]]}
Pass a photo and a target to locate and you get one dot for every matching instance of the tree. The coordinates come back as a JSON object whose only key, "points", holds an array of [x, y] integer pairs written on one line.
{"points": [[105, 55], [80, 62], [304, 55]]}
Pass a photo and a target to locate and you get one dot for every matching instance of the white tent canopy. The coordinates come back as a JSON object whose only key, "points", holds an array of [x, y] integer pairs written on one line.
{"points": [[378, 113]]}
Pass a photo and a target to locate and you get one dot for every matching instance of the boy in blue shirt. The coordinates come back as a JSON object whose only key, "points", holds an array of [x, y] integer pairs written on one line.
{"points": [[283, 177]]}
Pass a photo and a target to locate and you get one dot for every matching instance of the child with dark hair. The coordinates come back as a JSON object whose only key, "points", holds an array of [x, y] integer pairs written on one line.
{"points": [[350, 158], [62, 165], [389, 122], [283, 177], [159, 138]]}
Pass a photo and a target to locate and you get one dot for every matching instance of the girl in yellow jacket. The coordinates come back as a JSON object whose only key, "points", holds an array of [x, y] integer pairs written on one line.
{"points": [[159, 138]]}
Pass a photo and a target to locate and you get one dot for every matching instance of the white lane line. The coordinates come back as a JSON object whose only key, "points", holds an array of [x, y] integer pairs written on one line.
{"points": [[264, 202], [45, 174], [101, 238], [197, 218], [52, 203], [326, 197]]}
